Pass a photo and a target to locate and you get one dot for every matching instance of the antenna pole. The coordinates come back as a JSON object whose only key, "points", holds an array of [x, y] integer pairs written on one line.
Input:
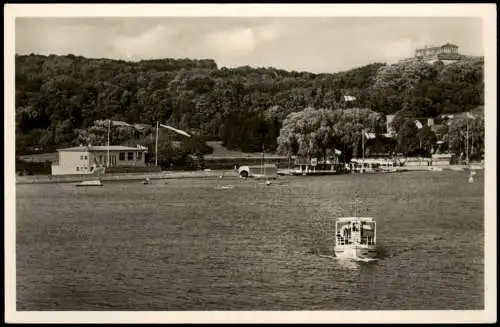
{"points": [[467, 138], [156, 145], [109, 131], [262, 161], [363, 150]]}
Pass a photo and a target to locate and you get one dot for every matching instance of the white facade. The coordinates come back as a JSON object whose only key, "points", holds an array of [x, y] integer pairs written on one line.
{"points": [[72, 162], [82, 160]]}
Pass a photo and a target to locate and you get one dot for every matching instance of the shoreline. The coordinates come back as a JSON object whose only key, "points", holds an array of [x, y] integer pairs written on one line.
{"points": [[50, 179]]}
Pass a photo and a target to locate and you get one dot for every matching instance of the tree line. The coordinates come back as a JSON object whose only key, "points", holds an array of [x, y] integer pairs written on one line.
{"points": [[59, 98]]}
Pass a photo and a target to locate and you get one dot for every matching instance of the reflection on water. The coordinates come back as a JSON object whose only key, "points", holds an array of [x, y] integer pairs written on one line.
{"points": [[350, 265]]}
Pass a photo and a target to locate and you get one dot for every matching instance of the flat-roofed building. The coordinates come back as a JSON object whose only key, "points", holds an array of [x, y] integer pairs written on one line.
{"points": [[84, 159]]}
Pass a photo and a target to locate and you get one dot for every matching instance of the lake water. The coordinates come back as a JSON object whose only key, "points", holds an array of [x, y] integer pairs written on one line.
{"points": [[185, 245]]}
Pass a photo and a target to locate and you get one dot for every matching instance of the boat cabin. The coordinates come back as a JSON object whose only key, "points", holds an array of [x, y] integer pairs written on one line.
{"points": [[355, 230]]}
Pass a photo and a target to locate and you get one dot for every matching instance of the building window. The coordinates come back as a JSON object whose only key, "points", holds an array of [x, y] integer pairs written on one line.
{"points": [[122, 155], [139, 155], [130, 156], [81, 157], [77, 168], [85, 157]]}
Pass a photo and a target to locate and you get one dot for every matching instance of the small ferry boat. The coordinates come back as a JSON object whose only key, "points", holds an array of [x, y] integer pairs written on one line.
{"points": [[355, 238]]}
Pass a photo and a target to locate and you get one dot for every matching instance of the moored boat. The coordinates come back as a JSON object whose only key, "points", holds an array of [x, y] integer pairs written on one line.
{"points": [[96, 182], [373, 165]]}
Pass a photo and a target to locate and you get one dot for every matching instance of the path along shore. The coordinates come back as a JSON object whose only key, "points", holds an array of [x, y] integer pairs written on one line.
{"points": [[48, 179]]}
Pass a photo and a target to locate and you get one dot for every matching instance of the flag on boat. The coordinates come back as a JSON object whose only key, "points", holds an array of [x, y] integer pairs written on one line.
{"points": [[176, 130], [418, 124], [469, 115], [349, 98], [337, 152], [370, 136]]}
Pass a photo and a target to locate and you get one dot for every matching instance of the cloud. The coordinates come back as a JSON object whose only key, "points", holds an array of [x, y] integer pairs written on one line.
{"points": [[152, 43], [326, 44], [397, 50], [236, 41], [268, 32]]}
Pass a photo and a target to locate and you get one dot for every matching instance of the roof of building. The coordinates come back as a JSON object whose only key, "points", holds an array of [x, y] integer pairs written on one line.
{"points": [[103, 148], [437, 47], [342, 219]]}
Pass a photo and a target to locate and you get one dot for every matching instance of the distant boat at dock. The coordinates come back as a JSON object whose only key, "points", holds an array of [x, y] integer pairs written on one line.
{"points": [[373, 166], [314, 167]]}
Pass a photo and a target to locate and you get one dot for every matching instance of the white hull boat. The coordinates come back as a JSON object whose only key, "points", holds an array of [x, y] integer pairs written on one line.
{"points": [[355, 238], [90, 183], [356, 252]]}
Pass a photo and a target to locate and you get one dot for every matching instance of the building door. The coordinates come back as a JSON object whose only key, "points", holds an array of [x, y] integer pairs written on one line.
{"points": [[113, 161]]}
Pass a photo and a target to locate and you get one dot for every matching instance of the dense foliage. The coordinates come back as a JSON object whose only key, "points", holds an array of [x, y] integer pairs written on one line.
{"points": [[317, 133], [58, 98]]}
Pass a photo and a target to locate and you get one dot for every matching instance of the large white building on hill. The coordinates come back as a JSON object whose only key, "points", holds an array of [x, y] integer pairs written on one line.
{"points": [[447, 53]]}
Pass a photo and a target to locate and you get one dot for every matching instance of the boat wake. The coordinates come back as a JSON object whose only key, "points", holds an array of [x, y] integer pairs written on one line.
{"points": [[348, 259], [227, 187], [365, 259]]}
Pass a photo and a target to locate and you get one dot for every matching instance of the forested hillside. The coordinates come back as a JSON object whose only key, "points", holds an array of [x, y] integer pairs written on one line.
{"points": [[58, 98]]}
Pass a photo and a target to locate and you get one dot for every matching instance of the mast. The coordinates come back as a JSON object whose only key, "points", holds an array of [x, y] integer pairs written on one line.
{"points": [[363, 150], [467, 138], [109, 131], [156, 145], [262, 168]]}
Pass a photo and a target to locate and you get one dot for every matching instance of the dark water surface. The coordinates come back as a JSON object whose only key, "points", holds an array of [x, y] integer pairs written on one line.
{"points": [[184, 245]]}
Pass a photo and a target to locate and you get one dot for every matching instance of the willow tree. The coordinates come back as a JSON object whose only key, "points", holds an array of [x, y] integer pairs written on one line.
{"points": [[318, 132]]}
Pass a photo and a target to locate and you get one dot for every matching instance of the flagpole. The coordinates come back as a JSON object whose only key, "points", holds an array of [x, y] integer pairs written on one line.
{"points": [[363, 149], [109, 131], [467, 138], [262, 161], [156, 146]]}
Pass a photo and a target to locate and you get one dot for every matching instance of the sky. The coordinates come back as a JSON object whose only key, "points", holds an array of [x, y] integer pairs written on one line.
{"points": [[314, 44]]}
